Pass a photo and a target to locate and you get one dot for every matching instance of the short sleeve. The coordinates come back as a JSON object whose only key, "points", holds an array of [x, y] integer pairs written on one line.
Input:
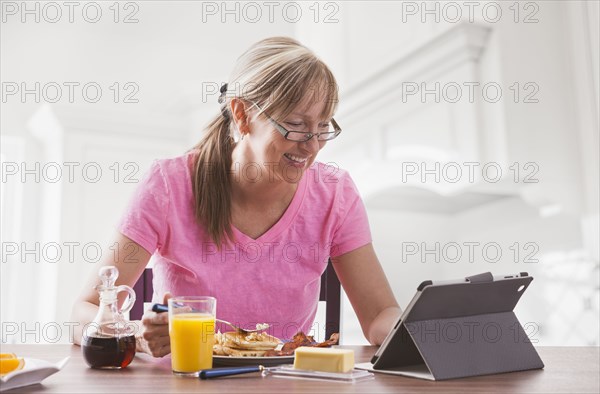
{"points": [[353, 230], [144, 220]]}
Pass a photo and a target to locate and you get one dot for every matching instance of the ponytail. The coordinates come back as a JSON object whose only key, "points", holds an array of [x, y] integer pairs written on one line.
{"points": [[211, 180]]}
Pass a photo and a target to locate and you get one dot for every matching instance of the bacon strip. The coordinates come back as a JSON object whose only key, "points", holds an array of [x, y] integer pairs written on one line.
{"points": [[301, 339]]}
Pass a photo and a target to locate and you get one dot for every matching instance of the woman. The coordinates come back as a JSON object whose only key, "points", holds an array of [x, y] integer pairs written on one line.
{"points": [[248, 216]]}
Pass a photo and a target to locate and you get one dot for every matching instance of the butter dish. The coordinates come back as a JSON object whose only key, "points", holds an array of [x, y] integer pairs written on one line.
{"points": [[288, 371]]}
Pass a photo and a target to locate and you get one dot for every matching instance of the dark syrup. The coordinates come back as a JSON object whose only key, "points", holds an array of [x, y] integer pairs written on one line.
{"points": [[108, 352]]}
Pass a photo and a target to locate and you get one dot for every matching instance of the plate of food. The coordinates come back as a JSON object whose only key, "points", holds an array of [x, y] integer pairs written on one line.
{"points": [[234, 349], [29, 371]]}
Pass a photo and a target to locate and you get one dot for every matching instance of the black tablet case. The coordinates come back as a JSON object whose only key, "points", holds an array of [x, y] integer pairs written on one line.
{"points": [[459, 329]]}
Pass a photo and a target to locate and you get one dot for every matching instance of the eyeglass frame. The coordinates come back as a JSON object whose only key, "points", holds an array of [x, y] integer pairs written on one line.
{"points": [[285, 132]]}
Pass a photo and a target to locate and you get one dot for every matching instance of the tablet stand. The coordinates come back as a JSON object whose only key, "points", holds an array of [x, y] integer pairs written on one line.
{"points": [[463, 329]]}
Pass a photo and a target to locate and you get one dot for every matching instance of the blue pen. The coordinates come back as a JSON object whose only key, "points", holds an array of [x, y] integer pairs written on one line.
{"points": [[159, 308]]}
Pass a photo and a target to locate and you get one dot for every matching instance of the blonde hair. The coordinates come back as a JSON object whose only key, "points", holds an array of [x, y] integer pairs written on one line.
{"points": [[276, 73]]}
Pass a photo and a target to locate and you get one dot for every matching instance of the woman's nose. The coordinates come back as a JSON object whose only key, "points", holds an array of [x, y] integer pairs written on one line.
{"points": [[312, 145]]}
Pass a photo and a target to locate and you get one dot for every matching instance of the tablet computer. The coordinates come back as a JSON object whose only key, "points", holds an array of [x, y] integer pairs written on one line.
{"points": [[459, 328]]}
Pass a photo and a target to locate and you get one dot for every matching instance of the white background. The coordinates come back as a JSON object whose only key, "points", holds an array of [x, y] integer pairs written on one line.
{"points": [[541, 133]]}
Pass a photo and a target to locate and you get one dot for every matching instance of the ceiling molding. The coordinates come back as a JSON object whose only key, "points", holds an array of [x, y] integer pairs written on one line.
{"points": [[460, 43]]}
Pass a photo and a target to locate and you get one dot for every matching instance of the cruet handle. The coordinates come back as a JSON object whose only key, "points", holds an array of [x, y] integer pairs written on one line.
{"points": [[127, 307]]}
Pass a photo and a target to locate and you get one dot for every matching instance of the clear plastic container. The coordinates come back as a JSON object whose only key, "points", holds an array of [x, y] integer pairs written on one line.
{"points": [[288, 371]]}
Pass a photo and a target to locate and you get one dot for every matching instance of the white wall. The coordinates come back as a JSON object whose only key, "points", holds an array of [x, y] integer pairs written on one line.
{"points": [[554, 221]]}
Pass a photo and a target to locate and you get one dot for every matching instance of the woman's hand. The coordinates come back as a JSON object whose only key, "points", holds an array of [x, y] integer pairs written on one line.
{"points": [[153, 337]]}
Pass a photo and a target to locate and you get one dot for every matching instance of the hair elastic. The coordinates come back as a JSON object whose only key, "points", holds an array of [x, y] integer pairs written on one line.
{"points": [[221, 100]]}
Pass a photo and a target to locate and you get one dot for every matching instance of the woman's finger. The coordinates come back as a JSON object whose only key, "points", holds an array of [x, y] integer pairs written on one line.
{"points": [[159, 346], [151, 318], [156, 342]]}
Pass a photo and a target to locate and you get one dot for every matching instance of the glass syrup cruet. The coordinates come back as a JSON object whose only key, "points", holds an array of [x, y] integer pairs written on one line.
{"points": [[109, 341]]}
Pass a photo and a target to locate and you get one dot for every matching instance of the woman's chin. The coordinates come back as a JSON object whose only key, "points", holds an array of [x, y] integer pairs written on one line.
{"points": [[291, 171], [291, 174]]}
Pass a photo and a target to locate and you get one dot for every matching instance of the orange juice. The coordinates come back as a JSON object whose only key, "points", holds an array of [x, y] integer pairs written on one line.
{"points": [[192, 337]]}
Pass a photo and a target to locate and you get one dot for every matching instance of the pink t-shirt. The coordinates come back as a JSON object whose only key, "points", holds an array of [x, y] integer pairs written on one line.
{"points": [[274, 279]]}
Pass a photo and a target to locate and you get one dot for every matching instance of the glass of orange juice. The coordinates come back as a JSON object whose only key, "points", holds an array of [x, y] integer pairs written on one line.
{"points": [[192, 333]]}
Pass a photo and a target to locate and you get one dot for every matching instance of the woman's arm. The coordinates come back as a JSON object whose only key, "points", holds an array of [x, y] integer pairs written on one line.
{"points": [[131, 260], [369, 292]]}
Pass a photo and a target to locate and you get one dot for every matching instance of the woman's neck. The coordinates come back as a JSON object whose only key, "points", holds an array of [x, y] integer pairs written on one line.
{"points": [[249, 189], [260, 193]]}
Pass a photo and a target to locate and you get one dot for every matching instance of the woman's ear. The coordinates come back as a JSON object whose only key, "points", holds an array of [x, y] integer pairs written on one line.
{"points": [[239, 115]]}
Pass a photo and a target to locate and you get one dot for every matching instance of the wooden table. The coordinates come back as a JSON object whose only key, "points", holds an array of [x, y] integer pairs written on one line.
{"points": [[568, 370]]}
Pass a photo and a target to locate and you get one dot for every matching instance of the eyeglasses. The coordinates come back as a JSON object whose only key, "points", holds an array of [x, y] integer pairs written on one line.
{"points": [[333, 130]]}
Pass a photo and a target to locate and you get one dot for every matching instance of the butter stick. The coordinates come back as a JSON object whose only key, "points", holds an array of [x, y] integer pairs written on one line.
{"points": [[324, 359]]}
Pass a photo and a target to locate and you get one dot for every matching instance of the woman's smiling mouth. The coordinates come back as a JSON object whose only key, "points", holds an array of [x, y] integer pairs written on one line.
{"points": [[296, 161]]}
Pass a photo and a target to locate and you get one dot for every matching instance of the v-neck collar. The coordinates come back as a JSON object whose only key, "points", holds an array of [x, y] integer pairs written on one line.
{"points": [[283, 222]]}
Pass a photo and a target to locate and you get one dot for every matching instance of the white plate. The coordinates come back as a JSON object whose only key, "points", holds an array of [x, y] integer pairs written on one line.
{"points": [[33, 372], [235, 361]]}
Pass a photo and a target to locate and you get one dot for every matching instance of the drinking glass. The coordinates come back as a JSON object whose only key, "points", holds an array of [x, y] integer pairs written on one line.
{"points": [[192, 333]]}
